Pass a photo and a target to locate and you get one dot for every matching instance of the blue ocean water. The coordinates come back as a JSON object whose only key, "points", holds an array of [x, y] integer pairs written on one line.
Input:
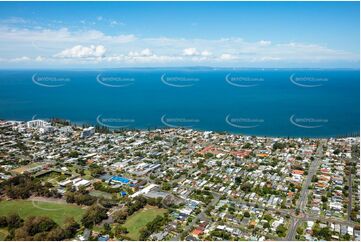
{"points": [[263, 102]]}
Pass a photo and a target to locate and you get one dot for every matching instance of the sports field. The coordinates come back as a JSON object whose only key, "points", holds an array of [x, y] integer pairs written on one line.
{"points": [[139, 219], [56, 211]]}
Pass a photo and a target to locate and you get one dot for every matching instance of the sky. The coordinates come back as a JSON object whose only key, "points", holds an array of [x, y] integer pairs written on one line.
{"points": [[170, 34]]}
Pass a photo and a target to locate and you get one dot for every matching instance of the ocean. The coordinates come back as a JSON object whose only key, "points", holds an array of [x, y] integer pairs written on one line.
{"points": [[262, 102]]}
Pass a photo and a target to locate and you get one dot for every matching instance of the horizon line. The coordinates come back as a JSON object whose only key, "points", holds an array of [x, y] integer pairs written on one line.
{"points": [[180, 67]]}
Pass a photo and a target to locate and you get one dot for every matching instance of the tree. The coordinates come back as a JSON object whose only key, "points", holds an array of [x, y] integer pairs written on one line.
{"points": [[268, 217], [347, 237], [70, 227], [281, 231], [297, 211], [94, 215], [120, 216], [324, 233], [23, 186], [96, 170], [3, 221], [80, 197], [56, 234], [21, 234], [73, 154], [278, 145], [299, 230], [120, 230], [336, 151], [34, 225], [36, 228], [106, 228], [14, 221], [152, 227], [166, 186], [238, 180]]}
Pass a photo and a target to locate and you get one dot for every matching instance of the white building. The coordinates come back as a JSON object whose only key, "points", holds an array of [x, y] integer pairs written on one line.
{"points": [[41, 125], [144, 190], [87, 132], [36, 124]]}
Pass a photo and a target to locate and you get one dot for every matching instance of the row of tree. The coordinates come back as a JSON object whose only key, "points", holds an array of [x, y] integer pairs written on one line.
{"points": [[80, 197], [100, 187], [94, 215], [24, 186], [38, 228]]}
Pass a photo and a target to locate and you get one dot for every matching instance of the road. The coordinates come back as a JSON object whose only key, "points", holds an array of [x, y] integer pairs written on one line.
{"points": [[294, 223], [330, 220], [349, 207], [200, 216], [279, 210], [302, 202]]}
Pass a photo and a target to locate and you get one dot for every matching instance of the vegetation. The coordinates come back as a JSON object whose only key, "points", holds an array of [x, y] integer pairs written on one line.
{"points": [[23, 186], [278, 145], [221, 234], [96, 170], [202, 195], [101, 187], [38, 228], [153, 226], [80, 197], [93, 216], [135, 205], [281, 231]]}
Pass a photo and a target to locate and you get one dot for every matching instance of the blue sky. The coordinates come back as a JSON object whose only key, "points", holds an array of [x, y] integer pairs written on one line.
{"points": [[224, 34]]}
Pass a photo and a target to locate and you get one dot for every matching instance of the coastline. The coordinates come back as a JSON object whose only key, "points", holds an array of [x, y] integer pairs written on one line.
{"points": [[150, 129]]}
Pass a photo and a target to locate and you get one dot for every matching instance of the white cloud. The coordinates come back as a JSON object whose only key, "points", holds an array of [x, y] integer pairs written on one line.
{"points": [[264, 42], [20, 59], [190, 52], [59, 36], [227, 57], [39, 58], [195, 52], [206, 53], [144, 53], [13, 20], [133, 58], [115, 22], [80, 51], [59, 46]]}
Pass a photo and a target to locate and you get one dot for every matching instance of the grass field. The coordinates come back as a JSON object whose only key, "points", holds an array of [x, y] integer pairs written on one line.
{"points": [[56, 211], [139, 219], [101, 194], [21, 169]]}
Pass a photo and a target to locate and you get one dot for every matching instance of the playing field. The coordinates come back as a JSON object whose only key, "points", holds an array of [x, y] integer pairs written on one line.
{"points": [[139, 219], [56, 211]]}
